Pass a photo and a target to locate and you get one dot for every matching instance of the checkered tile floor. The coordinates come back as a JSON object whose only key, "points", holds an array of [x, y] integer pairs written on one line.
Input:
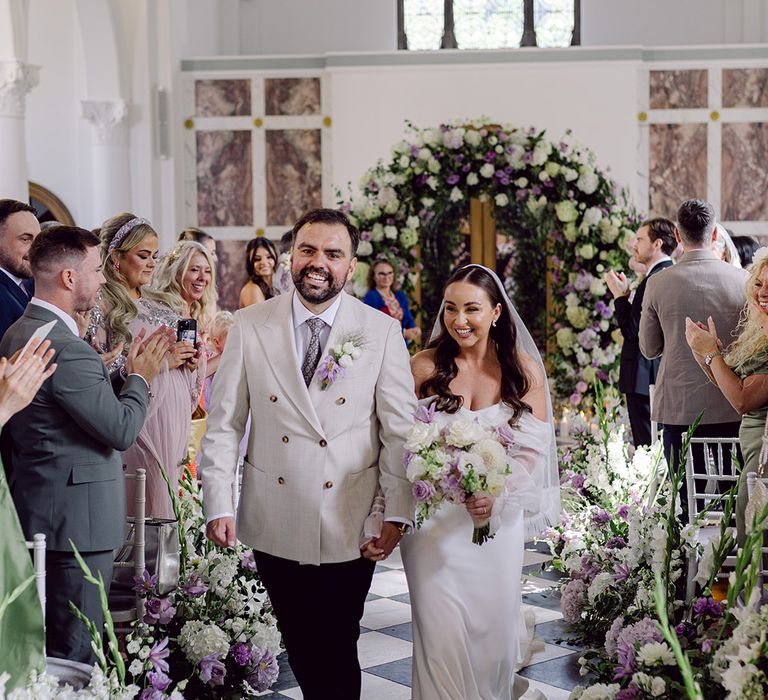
{"points": [[386, 636]]}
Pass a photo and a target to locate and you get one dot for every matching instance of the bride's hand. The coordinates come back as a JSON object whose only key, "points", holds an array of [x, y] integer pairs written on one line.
{"points": [[479, 507]]}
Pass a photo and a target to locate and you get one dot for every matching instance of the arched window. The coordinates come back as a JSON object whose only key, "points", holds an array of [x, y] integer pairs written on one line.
{"points": [[487, 24]]}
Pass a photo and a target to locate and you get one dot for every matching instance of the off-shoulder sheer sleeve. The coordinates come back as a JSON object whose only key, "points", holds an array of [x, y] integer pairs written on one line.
{"points": [[528, 459]]}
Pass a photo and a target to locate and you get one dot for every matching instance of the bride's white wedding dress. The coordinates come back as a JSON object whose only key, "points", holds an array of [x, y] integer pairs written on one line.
{"points": [[469, 632]]}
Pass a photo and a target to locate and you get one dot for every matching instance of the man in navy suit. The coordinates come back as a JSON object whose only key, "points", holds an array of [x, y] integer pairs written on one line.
{"points": [[654, 242], [18, 228]]}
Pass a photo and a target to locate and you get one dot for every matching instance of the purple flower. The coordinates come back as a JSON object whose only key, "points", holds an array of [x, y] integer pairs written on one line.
{"points": [[248, 562], [707, 607], [628, 694], [622, 573], [582, 387], [145, 583], [452, 179], [627, 662], [240, 653], [535, 190], [575, 398], [707, 646], [521, 194], [623, 512], [366, 235], [426, 414], [329, 371], [265, 670], [616, 543], [583, 281], [505, 435], [158, 611], [637, 634], [528, 157], [588, 338], [414, 150], [151, 694], [423, 491], [572, 600], [212, 671], [158, 680], [577, 481], [685, 630], [195, 586], [158, 655]]}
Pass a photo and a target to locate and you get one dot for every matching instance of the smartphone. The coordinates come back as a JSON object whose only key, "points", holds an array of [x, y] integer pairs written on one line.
{"points": [[187, 331]]}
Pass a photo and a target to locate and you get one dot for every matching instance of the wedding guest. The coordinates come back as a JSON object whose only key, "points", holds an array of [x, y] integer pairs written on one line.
{"points": [[746, 246], [283, 282], [199, 236], [654, 242], [697, 286], [127, 306], [188, 276], [18, 228], [385, 295], [66, 473], [23, 619], [741, 373], [260, 264], [724, 248], [222, 322], [481, 365]]}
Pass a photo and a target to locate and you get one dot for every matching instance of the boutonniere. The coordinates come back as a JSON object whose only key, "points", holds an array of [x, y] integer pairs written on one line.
{"points": [[341, 357]]}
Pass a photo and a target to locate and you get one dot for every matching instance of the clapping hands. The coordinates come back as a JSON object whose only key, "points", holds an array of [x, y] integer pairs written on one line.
{"points": [[22, 376], [702, 339], [617, 283]]}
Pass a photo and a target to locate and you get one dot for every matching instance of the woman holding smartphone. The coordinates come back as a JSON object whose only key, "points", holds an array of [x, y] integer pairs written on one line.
{"points": [[127, 305]]}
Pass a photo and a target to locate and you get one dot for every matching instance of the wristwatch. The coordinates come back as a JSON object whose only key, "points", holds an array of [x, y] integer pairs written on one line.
{"points": [[711, 356]]}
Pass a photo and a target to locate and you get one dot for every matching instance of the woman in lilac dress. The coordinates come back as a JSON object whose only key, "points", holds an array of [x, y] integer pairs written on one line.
{"points": [[127, 306]]}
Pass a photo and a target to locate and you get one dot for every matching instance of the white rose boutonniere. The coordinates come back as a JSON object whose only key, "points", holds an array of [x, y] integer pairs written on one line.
{"points": [[341, 357]]}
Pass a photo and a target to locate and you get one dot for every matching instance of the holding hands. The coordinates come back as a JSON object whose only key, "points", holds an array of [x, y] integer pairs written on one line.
{"points": [[22, 376], [380, 548]]}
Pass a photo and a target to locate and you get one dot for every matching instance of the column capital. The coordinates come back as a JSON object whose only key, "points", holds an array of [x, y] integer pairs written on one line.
{"points": [[16, 80], [108, 117]]}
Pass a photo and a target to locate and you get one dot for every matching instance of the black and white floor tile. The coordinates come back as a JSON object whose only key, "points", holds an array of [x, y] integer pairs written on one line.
{"points": [[385, 644]]}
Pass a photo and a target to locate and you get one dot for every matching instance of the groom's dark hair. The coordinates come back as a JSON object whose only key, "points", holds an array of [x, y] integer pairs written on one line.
{"points": [[329, 216]]}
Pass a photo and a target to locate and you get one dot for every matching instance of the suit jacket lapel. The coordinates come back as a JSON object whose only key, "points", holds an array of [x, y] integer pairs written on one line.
{"points": [[13, 289], [280, 350]]}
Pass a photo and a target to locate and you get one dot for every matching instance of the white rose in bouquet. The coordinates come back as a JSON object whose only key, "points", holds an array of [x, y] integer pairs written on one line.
{"points": [[463, 433], [416, 468], [421, 436], [492, 452]]}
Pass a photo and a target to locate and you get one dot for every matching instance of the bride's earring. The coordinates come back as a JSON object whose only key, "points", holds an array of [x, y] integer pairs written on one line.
{"points": [[493, 323]]}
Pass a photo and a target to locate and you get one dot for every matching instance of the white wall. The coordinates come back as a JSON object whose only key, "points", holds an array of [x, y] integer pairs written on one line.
{"points": [[55, 131], [596, 100], [673, 22]]}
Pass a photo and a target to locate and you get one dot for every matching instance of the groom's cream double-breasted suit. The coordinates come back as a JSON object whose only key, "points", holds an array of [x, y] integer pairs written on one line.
{"points": [[315, 456]]}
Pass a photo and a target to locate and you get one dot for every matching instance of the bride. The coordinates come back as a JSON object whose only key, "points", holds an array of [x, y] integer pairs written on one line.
{"points": [[469, 633]]}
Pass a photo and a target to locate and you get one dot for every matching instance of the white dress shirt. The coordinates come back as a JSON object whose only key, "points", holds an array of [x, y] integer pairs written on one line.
{"points": [[63, 315], [301, 331], [16, 280]]}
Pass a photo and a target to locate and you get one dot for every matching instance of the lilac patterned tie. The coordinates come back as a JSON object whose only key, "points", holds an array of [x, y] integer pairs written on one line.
{"points": [[312, 356]]}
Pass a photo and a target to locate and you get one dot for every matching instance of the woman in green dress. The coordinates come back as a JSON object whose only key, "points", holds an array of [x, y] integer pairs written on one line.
{"points": [[22, 631], [741, 372]]}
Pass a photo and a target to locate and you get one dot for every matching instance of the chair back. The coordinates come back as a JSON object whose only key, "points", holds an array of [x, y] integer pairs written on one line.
{"points": [[137, 544], [752, 480], [37, 545]]}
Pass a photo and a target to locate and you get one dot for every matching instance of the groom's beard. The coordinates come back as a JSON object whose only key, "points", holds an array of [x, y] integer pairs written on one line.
{"points": [[313, 295]]}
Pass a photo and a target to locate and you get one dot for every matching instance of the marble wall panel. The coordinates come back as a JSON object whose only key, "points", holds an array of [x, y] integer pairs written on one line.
{"points": [[224, 178], [744, 177], [678, 166], [222, 98], [230, 273], [293, 173], [678, 89], [291, 96], [745, 87]]}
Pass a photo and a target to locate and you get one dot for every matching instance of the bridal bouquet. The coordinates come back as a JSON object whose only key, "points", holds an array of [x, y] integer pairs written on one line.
{"points": [[453, 463]]}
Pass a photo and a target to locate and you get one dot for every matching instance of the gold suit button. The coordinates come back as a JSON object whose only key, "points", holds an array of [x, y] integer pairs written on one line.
{"points": [[285, 438], [323, 443], [341, 401], [280, 480], [273, 398], [328, 484]]}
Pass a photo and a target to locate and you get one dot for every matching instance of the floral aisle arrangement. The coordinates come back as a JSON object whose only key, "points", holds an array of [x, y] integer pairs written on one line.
{"points": [[551, 195], [215, 636], [451, 464]]}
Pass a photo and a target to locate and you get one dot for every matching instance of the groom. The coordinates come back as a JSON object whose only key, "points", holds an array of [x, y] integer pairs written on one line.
{"points": [[316, 452]]}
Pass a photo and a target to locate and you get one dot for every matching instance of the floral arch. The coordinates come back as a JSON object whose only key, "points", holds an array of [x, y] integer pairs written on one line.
{"points": [[564, 220]]}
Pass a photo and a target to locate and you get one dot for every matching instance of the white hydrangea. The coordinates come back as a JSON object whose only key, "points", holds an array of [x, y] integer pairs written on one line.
{"points": [[487, 170], [364, 248], [588, 181], [473, 137], [501, 200], [655, 652], [198, 639], [601, 583], [456, 195], [599, 691], [472, 179], [390, 232]]}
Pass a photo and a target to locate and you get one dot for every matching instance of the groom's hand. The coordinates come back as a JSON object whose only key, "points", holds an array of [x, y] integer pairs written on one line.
{"points": [[221, 532], [380, 548]]}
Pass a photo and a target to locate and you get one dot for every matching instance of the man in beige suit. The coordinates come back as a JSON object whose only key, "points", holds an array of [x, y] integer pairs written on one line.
{"points": [[316, 454], [698, 286]]}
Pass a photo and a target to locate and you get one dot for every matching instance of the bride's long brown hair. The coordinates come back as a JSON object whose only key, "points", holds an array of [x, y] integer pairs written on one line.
{"points": [[515, 383]]}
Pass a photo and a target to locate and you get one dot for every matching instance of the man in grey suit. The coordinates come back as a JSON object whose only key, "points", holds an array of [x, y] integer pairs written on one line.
{"points": [[698, 286], [66, 474]]}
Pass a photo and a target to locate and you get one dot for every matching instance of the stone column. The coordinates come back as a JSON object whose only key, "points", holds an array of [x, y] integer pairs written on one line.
{"points": [[110, 161], [16, 80]]}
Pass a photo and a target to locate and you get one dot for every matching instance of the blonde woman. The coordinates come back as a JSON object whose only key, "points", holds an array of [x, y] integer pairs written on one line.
{"points": [[741, 373], [127, 305]]}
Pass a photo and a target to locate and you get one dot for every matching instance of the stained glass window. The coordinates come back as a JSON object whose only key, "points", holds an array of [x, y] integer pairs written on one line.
{"points": [[424, 21], [553, 20], [486, 24]]}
